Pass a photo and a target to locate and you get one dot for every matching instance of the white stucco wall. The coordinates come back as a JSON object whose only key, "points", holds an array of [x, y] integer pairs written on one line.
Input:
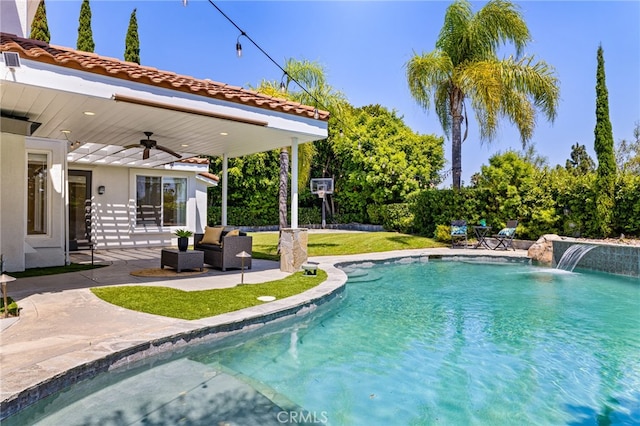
{"points": [[12, 201], [201, 206], [114, 212]]}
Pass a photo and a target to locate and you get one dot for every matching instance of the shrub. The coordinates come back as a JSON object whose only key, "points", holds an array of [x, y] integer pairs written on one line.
{"points": [[396, 217], [442, 233], [12, 306]]}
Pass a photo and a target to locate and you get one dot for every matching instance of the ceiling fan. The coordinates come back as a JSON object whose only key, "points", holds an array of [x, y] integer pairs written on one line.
{"points": [[149, 143]]}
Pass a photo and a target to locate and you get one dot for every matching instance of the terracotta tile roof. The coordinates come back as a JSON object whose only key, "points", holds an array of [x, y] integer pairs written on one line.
{"points": [[209, 176], [194, 160], [90, 62]]}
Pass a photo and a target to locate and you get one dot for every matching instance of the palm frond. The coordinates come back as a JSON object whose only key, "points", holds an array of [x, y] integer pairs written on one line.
{"points": [[517, 107], [270, 88], [426, 73], [453, 38], [499, 22], [480, 81], [306, 152], [309, 73], [441, 100], [537, 80]]}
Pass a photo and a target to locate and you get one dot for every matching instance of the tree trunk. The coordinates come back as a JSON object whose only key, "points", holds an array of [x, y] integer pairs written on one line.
{"points": [[283, 189], [457, 99]]}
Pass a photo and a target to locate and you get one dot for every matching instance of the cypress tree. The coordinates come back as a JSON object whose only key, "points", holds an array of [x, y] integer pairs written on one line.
{"points": [[39, 26], [606, 173], [85, 35], [132, 43]]}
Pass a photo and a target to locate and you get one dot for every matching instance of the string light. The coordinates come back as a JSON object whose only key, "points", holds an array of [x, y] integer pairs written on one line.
{"points": [[285, 73], [239, 46]]}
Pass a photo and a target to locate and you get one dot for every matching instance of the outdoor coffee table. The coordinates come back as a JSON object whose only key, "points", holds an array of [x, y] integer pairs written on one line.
{"points": [[481, 234], [190, 259]]}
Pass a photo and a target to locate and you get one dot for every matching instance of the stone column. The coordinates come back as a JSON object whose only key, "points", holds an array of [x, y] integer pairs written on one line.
{"points": [[293, 249]]}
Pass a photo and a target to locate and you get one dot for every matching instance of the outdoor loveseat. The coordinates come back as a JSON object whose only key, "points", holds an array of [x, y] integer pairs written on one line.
{"points": [[221, 245]]}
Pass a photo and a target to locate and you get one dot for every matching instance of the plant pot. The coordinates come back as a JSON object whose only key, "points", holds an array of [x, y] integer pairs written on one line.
{"points": [[183, 243]]}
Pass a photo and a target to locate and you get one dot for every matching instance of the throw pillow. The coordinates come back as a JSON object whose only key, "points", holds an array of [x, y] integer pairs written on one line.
{"points": [[212, 235], [233, 233]]}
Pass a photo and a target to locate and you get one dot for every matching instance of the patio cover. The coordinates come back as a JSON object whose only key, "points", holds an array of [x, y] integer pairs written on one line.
{"points": [[57, 86]]}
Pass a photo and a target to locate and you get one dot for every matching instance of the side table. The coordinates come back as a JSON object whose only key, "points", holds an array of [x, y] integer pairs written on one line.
{"points": [[481, 234], [190, 259]]}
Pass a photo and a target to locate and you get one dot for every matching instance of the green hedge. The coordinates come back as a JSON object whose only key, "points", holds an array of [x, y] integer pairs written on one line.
{"points": [[560, 203]]}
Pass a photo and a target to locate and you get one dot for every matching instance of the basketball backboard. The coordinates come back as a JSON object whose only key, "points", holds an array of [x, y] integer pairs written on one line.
{"points": [[322, 185]]}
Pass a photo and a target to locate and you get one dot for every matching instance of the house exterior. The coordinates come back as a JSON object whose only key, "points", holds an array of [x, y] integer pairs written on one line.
{"points": [[74, 157]]}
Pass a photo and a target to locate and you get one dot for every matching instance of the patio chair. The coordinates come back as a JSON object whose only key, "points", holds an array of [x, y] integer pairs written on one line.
{"points": [[458, 232], [505, 236]]}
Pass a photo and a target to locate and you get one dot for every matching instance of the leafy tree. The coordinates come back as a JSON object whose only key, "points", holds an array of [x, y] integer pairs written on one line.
{"points": [[85, 35], [465, 65], [382, 161], [580, 161], [518, 190], [39, 26], [606, 173], [132, 43], [628, 153], [532, 156], [252, 186]]}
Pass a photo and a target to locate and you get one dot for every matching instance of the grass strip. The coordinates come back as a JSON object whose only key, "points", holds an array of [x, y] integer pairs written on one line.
{"points": [[265, 244], [39, 272], [191, 305]]}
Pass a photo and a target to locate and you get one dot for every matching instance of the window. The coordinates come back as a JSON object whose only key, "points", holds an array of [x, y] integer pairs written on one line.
{"points": [[161, 201], [174, 201], [37, 193]]}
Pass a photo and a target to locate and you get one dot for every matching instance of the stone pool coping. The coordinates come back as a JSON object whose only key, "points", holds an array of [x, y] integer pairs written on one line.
{"points": [[28, 385]]}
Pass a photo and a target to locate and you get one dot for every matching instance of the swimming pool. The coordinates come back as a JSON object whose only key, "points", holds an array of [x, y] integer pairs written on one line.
{"points": [[446, 342]]}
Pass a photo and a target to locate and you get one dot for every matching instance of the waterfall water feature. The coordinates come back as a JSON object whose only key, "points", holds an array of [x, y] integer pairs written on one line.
{"points": [[572, 256]]}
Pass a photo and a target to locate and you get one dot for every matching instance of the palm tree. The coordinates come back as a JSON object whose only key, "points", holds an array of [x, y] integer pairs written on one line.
{"points": [[316, 92], [465, 66]]}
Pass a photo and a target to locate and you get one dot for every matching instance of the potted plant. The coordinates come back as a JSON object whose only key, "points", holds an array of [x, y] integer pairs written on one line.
{"points": [[183, 238]]}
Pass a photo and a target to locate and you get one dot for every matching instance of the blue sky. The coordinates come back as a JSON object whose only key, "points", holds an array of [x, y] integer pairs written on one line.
{"points": [[364, 46]]}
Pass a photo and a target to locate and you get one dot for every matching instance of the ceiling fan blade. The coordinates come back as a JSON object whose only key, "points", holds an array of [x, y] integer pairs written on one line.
{"points": [[145, 154], [132, 146], [168, 151]]}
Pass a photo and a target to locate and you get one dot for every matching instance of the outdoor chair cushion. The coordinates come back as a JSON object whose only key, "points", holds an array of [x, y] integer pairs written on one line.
{"points": [[458, 230], [206, 246], [507, 232], [212, 235]]}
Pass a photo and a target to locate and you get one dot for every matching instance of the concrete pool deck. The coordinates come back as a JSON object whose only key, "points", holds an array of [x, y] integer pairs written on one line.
{"points": [[63, 326]]}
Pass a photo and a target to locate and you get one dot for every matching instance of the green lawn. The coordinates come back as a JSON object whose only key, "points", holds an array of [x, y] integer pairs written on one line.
{"points": [[192, 305], [341, 243]]}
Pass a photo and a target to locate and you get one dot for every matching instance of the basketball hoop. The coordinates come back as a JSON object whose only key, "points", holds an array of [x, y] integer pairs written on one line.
{"points": [[322, 187]]}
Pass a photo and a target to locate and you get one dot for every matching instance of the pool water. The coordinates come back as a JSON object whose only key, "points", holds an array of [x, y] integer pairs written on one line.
{"points": [[412, 343]]}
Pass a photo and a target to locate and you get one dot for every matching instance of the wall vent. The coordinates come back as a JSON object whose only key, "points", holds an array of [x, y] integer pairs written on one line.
{"points": [[11, 59]]}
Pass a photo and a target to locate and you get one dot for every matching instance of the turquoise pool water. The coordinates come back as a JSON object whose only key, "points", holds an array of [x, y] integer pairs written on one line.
{"points": [[412, 343]]}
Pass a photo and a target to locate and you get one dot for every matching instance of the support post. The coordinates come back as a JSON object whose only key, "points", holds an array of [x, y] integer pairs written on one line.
{"points": [[294, 183], [225, 186]]}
